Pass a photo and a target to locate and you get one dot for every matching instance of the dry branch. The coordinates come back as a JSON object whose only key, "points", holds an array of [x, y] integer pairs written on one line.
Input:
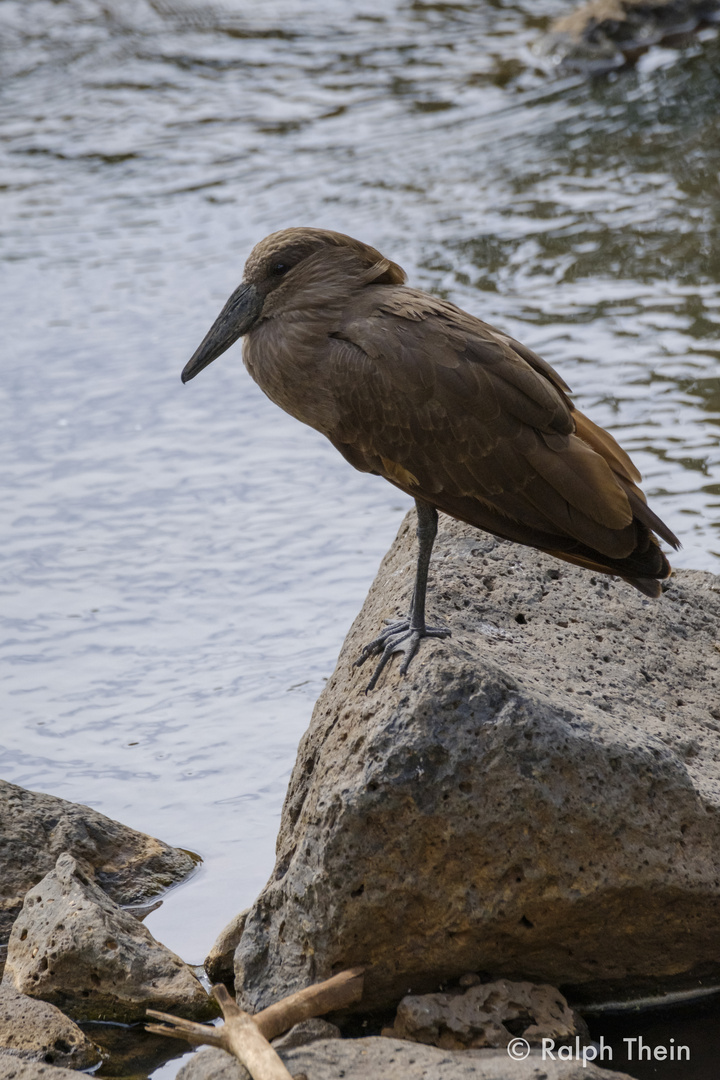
{"points": [[247, 1037], [325, 997]]}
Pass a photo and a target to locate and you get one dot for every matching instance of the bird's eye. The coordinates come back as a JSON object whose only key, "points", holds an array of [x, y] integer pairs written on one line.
{"points": [[279, 269]]}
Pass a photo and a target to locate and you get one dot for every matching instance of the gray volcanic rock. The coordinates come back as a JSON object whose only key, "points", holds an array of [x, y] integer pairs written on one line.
{"points": [[36, 828], [12, 1068], [477, 1017], [605, 34], [37, 1031], [72, 946], [538, 799], [371, 1058]]}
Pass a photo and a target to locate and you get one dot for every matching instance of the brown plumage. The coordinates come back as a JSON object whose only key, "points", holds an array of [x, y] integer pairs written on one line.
{"points": [[444, 406]]}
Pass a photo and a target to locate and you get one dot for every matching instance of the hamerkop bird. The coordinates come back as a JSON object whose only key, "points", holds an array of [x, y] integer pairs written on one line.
{"points": [[449, 409]]}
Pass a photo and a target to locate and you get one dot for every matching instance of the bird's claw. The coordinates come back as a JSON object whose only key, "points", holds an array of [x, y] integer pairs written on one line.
{"points": [[398, 636]]}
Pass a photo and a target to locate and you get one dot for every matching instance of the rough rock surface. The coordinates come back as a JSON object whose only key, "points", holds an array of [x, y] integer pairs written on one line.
{"points": [[73, 946], [391, 1059], [306, 1032], [605, 34], [37, 1031], [538, 799], [36, 828], [12, 1068], [477, 1017], [219, 963]]}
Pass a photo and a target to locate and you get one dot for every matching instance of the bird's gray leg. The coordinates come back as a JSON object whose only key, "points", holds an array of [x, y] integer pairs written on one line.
{"points": [[404, 635], [427, 528]]}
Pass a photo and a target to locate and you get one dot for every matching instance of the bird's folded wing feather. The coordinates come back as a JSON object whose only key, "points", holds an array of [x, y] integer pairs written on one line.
{"points": [[455, 412]]}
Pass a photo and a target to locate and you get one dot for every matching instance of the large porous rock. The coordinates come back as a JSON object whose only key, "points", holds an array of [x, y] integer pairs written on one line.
{"points": [[391, 1059], [13, 1068], [37, 1031], [36, 828], [488, 1014], [605, 34], [73, 946], [537, 799]]}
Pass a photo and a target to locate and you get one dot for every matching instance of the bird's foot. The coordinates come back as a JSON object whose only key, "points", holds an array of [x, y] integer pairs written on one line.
{"points": [[399, 636]]}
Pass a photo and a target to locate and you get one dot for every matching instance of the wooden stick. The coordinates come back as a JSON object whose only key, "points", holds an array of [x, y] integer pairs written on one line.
{"points": [[247, 1037], [329, 996], [239, 1036], [250, 1047], [179, 1028]]}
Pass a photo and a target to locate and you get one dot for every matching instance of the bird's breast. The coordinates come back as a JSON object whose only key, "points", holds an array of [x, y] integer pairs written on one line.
{"points": [[285, 358]]}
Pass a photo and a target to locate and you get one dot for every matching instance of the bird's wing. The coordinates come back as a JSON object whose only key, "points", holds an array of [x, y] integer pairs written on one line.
{"points": [[454, 412]]}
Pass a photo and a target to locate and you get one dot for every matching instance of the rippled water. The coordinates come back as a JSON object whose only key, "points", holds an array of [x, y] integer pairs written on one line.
{"points": [[179, 565]]}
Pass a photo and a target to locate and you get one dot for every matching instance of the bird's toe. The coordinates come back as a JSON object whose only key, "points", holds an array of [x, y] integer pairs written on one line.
{"points": [[398, 636], [393, 628]]}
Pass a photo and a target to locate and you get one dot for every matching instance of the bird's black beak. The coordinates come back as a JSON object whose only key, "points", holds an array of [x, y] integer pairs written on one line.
{"points": [[238, 316]]}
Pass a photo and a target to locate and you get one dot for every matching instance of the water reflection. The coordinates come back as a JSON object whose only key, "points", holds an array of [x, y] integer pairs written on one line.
{"points": [[179, 568]]}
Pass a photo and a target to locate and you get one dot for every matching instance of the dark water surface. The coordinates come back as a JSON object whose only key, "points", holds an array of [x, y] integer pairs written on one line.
{"points": [[179, 565]]}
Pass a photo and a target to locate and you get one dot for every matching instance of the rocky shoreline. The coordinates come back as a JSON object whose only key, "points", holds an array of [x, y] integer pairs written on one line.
{"points": [[535, 806], [74, 887], [602, 35], [35, 829], [538, 799]]}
